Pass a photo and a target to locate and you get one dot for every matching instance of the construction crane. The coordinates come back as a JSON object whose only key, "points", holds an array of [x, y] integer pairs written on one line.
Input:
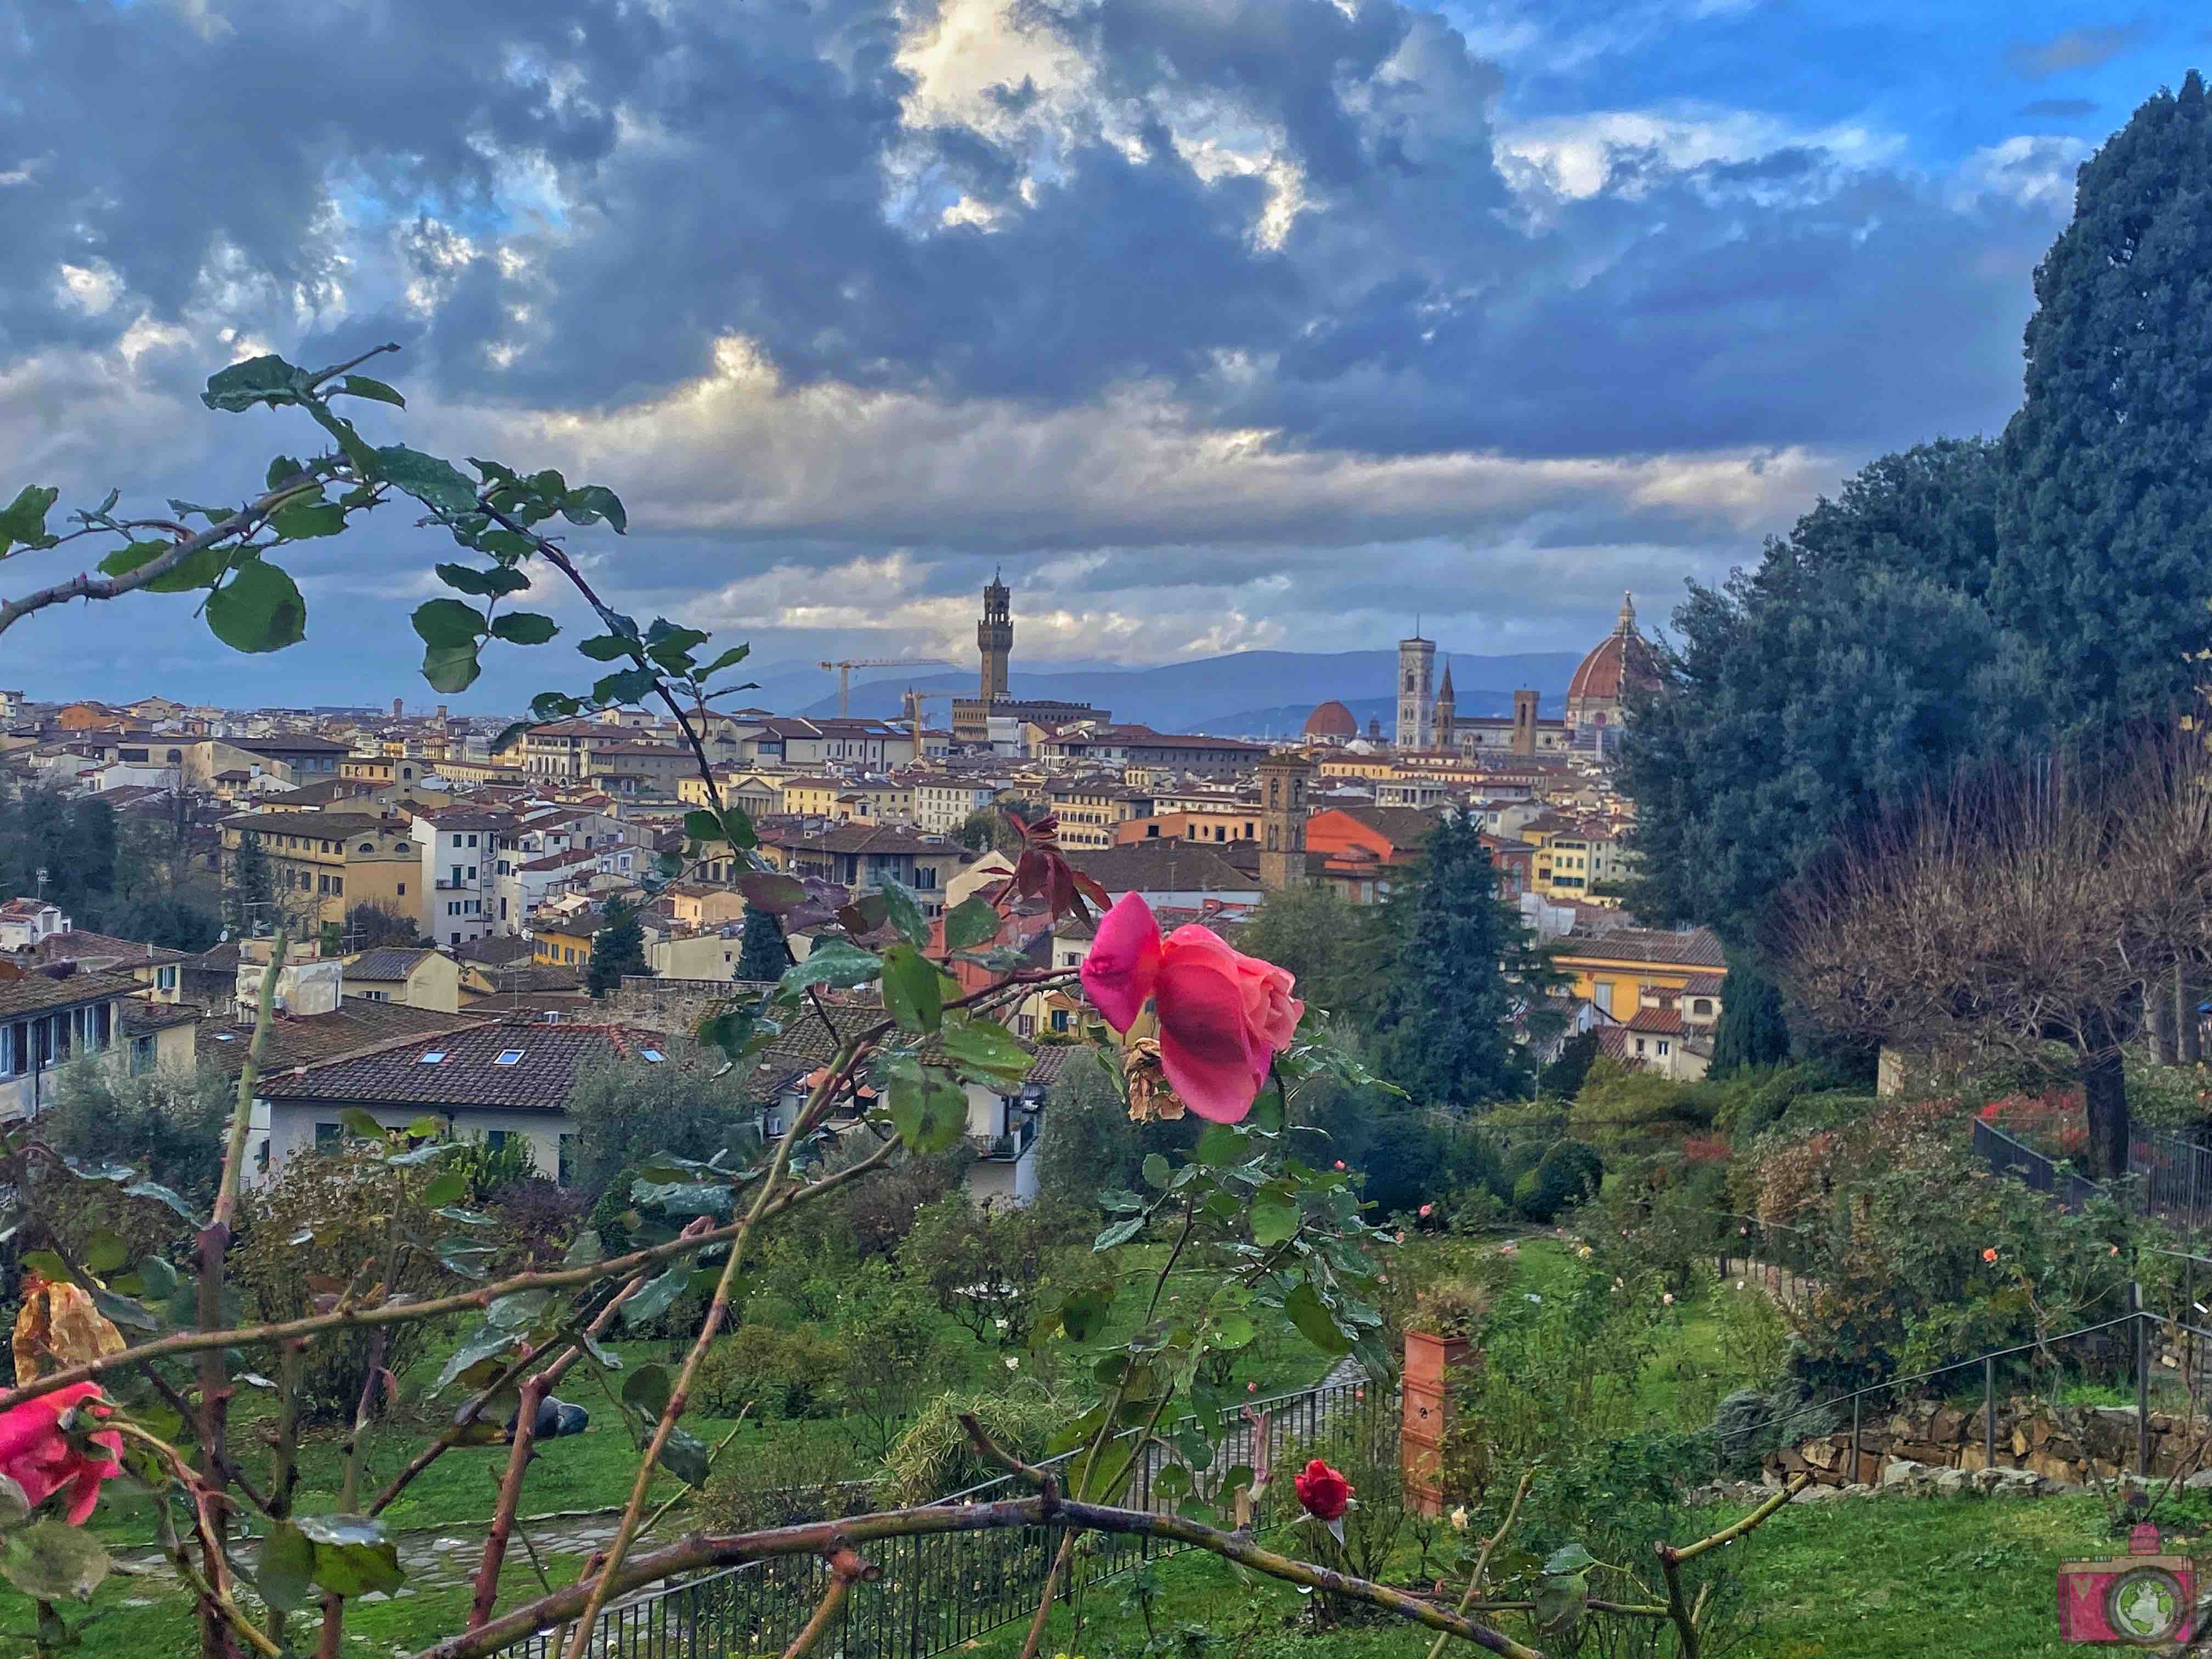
{"points": [[911, 702], [845, 673]]}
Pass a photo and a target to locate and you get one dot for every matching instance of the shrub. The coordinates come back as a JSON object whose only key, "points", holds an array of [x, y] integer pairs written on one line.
{"points": [[1569, 1173], [535, 1222], [780, 1480], [491, 1170], [781, 1373], [934, 1458], [352, 1204], [985, 1267], [691, 1105]]}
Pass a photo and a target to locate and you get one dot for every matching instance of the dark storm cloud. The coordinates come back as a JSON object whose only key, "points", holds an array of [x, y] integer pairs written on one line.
{"points": [[747, 172]]}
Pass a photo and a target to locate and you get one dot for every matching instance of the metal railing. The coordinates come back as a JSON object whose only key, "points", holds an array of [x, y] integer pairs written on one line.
{"points": [[2167, 1178], [938, 1592]]}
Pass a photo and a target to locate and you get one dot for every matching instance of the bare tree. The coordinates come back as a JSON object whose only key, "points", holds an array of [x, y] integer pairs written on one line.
{"points": [[2033, 904]]}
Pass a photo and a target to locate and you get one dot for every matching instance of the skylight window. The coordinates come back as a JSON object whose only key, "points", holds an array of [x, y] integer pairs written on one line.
{"points": [[509, 1057], [433, 1057], [653, 1054]]}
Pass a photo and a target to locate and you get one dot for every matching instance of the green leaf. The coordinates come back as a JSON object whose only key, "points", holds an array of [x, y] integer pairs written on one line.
{"points": [[267, 379], [735, 654], [728, 1029], [360, 385], [259, 609], [308, 519], [629, 685], [1233, 1331], [595, 502], [431, 481], [1083, 1315], [672, 649], [913, 989], [685, 1456], [445, 1189], [287, 1570], [156, 1277], [161, 1195], [1222, 1143], [606, 647], [702, 825], [903, 911], [208, 562], [1313, 1321], [24, 518], [987, 1049], [929, 1111], [485, 583], [1561, 1599], [523, 627], [769, 891], [1274, 1217], [360, 1121], [1158, 1173], [53, 1561], [970, 923], [1570, 1558], [105, 1251], [647, 1389], [1267, 1113], [520, 1311], [450, 668], [833, 962], [482, 1343], [1119, 1233], [448, 622], [352, 1555], [653, 1299]]}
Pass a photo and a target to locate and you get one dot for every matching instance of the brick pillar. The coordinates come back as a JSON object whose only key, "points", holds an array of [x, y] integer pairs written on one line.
{"points": [[1429, 1361]]}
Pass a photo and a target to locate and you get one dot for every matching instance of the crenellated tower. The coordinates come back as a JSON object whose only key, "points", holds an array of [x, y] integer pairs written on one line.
{"points": [[994, 638]]}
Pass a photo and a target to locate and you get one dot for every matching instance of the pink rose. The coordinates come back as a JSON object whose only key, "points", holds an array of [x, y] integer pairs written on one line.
{"points": [[36, 1455], [1223, 1016]]}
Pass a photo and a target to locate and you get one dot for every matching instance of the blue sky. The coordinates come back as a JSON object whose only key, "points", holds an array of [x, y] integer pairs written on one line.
{"points": [[1222, 323]]}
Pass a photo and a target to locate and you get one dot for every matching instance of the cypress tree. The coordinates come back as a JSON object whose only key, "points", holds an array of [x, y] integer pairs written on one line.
{"points": [[763, 957], [617, 948], [1751, 1031], [1461, 975], [2105, 512]]}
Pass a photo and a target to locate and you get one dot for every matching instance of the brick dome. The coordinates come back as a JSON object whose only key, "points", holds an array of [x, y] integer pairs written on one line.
{"points": [[1332, 722], [1621, 660]]}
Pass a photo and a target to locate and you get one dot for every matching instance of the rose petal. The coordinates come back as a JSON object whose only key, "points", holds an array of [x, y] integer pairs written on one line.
{"points": [[1204, 1047], [1124, 960]]}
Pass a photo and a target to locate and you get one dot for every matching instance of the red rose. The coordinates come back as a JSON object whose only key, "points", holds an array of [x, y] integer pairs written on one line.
{"points": [[38, 1457], [1325, 1493]]}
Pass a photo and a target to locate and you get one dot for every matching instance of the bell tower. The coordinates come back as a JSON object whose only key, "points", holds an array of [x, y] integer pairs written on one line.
{"points": [[994, 638], [1447, 714], [1417, 670], [1283, 821]]}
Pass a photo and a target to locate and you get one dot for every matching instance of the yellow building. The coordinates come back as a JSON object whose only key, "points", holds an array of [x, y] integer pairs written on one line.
{"points": [[1614, 969], [563, 944], [323, 864], [811, 798], [1088, 808]]}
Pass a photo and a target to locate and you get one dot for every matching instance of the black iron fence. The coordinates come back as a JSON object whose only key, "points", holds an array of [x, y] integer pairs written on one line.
{"points": [[2167, 1178], [939, 1591]]}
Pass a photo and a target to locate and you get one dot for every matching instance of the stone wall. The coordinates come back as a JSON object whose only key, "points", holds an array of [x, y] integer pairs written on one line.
{"points": [[2071, 1449]]}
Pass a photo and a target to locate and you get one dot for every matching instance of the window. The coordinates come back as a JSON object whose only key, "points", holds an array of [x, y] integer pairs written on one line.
{"points": [[326, 1137], [495, 1139], [1025, 1024], [653, 1054], [566, 1159], [437, 1056], [142, 1055], [1640, 1045], [368, 846], [1702, 1005], [166, 978], [403, 890], [509, 1057], [1662, 1045], [377, 996]]}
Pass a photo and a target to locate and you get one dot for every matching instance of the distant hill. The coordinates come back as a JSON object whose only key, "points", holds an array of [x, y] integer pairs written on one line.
{"points": [[1261, 693]]}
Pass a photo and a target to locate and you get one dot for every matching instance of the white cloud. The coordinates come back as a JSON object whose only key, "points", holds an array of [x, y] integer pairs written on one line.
{"points": [[2032, 170]]}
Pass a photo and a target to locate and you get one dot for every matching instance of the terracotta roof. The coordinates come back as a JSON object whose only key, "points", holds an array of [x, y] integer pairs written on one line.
{"points": [[1621, 660], [1160, 866], [1698, 947], [807, 1045], [37, 991], [549, 1059], [1332, 719], [1704, 984], [139, 1015], [494, 952], [324, 826], [387, 961], [1666, 1021], [358, 1024], [92, 950]]}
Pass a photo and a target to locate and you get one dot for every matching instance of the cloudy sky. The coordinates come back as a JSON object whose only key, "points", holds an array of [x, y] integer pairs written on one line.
{"points": [[1222, 323]]}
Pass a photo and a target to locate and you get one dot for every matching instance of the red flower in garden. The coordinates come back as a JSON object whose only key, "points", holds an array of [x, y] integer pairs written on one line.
{"points": [[1324, 1492], [1223, 1016], [1989, 1255], [38, 1457]]}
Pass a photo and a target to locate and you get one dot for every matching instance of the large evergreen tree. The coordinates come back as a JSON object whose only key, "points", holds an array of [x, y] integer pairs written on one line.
{"points": [[251, 886], [762, 958], [618, 948], [1459, 976], [1856, 661], [1751, 1031], [2106, 514]]}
